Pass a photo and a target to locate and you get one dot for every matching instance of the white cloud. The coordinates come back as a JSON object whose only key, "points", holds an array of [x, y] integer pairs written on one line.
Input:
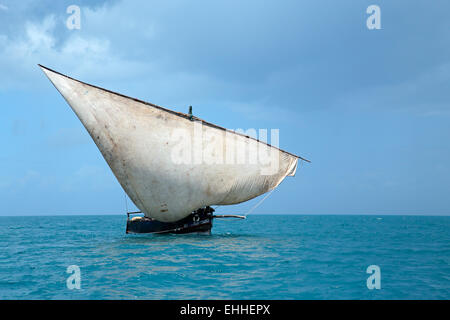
{"points": [[3, 7], [108, 49], [142, 57], [117, 53], [76, 53], [37, 40]]}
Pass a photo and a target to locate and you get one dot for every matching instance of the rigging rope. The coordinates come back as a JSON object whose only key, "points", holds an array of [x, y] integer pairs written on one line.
{"points": [[126, 203], [261, 201]]}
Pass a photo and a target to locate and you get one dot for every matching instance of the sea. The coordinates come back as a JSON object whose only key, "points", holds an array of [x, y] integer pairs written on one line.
{"points": [[262, 257]]}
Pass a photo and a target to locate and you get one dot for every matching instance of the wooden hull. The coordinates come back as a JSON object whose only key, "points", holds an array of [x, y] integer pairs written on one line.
{"points": [[198, 222]]}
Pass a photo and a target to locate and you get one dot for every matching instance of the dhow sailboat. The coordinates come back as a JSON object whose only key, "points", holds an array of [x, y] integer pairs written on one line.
{"points": [[173, 166]]}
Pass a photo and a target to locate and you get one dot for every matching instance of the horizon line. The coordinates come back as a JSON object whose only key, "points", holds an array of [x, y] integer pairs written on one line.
{"points": [[255, 214]]}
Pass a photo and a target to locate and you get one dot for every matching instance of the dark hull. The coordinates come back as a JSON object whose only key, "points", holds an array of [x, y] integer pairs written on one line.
{"points": [[197, 222]]}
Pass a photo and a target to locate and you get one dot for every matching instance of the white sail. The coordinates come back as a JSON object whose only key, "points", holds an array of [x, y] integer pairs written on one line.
{"points": [[169, 163]]}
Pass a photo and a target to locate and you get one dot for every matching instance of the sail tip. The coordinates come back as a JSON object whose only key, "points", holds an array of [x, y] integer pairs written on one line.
{"points": [[46, 69], [43, 68], [48, 72]]}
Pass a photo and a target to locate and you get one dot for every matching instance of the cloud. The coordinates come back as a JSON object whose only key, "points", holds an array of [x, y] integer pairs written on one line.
{"points": [[131, 60], [39, 44], [3, 7], [129, 40], [97, 55], [297, 56]]}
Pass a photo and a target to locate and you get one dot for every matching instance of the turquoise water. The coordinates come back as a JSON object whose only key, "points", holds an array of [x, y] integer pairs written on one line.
{"points": [[263, 257]]}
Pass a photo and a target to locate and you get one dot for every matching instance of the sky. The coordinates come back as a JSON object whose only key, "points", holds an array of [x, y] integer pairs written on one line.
{"points": [[369, 107]]}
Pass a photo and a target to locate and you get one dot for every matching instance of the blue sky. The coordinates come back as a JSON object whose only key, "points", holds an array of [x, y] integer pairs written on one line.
{"points": [[370, 108]]}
